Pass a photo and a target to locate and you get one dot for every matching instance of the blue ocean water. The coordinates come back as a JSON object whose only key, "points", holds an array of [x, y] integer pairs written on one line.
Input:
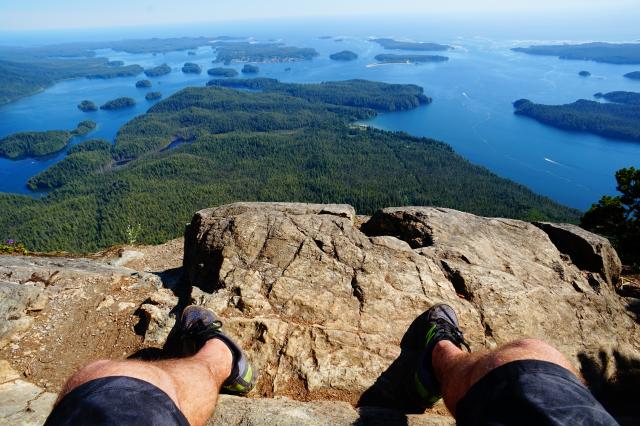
{"points": [[472, 108]]}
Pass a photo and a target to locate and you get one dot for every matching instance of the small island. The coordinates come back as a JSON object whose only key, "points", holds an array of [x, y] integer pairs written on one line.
{"points": [[584, 74], [33, 144], [611, 53], [143, 84], [635, 75], [84, 128], [620, 97], [119, 103], [115, 63], [87, 106], [191, 68], [158, 71], [345, 55], [617, 119], [392, 44], [152, 96], [388, 58], [222, 72], [114, 72], [250, 69], [261, 52], [39, 144], [191, 53]]}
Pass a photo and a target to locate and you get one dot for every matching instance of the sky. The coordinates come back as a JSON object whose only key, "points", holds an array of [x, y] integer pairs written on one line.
{"points": [[20, 15]]}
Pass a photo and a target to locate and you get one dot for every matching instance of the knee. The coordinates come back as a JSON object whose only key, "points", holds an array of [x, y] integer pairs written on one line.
{"points": [[93, 370], [85, 374], [538, 350], [533, 345]]}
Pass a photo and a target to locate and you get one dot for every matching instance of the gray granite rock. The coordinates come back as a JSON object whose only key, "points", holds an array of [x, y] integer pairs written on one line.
{"points": [[22, 403], [15, 301], [323, 308], [236, 411], [588, 251]]}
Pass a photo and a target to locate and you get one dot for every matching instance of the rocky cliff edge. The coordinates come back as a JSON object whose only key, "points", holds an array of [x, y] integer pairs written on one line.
{"points": [[327, 304]]}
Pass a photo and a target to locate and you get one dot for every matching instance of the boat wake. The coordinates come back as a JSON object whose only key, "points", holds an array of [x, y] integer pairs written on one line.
{"points": [[549, 160]]}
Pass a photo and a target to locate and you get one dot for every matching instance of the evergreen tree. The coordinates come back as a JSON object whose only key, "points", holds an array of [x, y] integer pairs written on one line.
{"points": [[618, 218]]}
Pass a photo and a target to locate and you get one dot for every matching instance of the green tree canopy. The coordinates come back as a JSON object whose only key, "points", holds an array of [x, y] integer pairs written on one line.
{"points": [[618, 218]]}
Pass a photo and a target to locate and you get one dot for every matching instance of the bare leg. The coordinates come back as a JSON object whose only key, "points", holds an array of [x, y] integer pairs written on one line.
{"points": [[457, 370], [192, 383]]}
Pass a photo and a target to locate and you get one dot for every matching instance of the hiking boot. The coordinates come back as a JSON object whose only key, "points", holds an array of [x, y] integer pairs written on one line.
{"points": [[442, 324], [199, 325]]}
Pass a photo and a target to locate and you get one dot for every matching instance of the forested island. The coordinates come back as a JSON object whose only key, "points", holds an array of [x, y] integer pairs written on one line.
{"points": [[584, 74], [345, 55], [250, 69], [39, 144], [629, 98], [143, 84], [84, 128], [33, 144], [118, 103], [152, 96], [612, 53], [191, 68], [289, 142], [158, 71], [618, 119], [353, 93], [392, 44], [115, 72], [19, 79], [87, 106], [222, 72], [635, 75], [228, 52], [390, 58], [115, 63]]}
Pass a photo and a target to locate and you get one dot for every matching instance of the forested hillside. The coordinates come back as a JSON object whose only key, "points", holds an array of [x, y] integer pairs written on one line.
{"points": [[619, 118], [208, 146]]}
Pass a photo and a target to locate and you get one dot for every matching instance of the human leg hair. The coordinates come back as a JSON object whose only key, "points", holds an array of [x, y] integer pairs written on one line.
{"points": [[192, 383], [457, 370]]}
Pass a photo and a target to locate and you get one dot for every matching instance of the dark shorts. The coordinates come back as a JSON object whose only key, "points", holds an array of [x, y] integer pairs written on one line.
{"points": [[530, 393], [117, 401], [519, 393]]}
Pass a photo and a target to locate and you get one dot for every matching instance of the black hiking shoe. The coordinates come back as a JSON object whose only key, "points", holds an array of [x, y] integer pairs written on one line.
{"points": [[199, 325], [442, 324]]}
